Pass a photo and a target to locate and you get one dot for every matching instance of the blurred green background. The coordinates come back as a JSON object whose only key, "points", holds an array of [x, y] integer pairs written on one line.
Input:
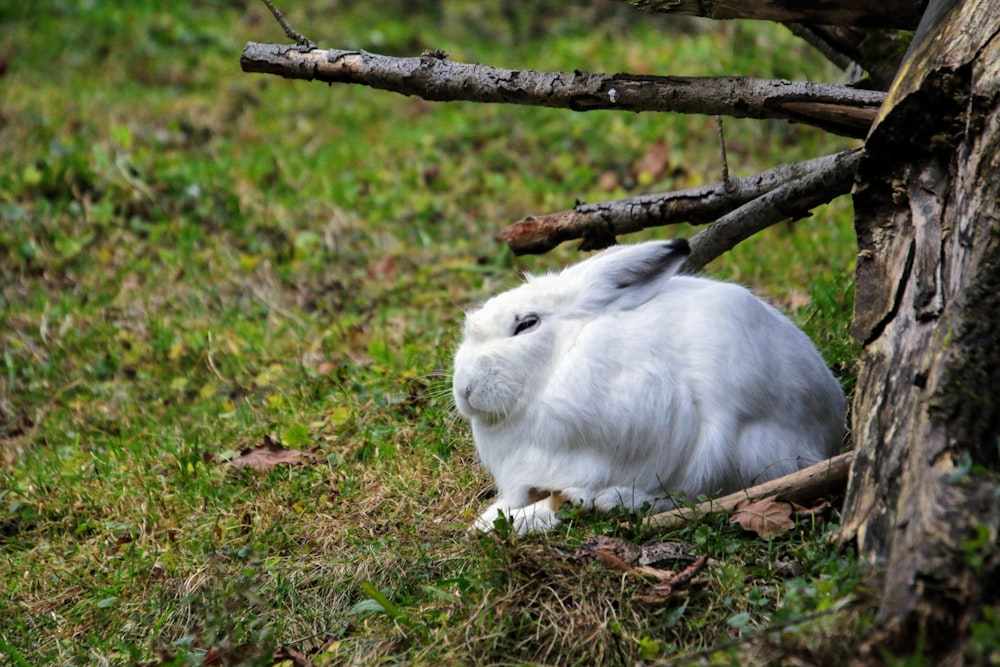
{"points": [[194, 258]]}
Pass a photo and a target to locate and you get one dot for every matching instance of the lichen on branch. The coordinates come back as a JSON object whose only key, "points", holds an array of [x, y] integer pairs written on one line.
{"points": [[599, 223], [838, 109]]}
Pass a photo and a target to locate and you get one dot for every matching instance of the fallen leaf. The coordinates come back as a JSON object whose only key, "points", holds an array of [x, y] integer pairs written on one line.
{"points": [[787, 567], [607, 181], [611, 559], [14, 436], [618, 554], [657, 593], [650, 572], [651, 554], [383, 268], [227, 654], [793, 300], [269, 454], [766, 517], [431, 173], [291, 657], [631, 554], [820, 508], [212, 657], [654, 162], [589, 550]]}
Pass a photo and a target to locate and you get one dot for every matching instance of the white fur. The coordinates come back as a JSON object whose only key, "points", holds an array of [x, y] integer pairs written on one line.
{"points": [[636, 385]]}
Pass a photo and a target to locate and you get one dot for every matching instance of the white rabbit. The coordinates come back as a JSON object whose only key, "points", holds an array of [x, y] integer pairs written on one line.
{"points": [[617, 383]]}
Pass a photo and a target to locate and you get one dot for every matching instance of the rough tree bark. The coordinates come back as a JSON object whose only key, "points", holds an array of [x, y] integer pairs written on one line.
{"points": [[876, 51], [794, 189], [838, 109], [819, 480], [923, 499], [885, 14], [791, 201], [872, 35]]}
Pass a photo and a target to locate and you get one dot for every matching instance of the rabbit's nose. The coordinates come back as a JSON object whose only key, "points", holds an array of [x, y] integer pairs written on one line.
{"points": [[467, 391]]}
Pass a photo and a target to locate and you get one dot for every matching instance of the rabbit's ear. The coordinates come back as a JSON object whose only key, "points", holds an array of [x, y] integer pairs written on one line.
{"points": [[624, 277]]}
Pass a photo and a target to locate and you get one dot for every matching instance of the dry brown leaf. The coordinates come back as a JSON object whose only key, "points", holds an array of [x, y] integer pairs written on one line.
{"points": [[383, 268], [618, 554], [821, 507], [655, 161], [651, 554], [291, 656], [657, 593], [592, 548], [651, 572], [793, 300], [612, 560], [227, 654], [608, 181], [766, 516], [14, 435], [269, 454], [632, 554], [212, 657], [787, 567], [317, 362]]}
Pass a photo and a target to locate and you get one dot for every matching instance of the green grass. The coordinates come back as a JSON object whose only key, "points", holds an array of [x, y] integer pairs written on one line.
{"points": [[194, 258]]}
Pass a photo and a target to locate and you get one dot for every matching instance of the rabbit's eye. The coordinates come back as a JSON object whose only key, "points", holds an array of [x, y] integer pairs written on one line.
{"points": [[526, 323]]}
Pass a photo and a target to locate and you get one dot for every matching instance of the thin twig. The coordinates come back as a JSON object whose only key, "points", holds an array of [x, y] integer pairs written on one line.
{"points": [[818, 41], [290, 32], [729, 186]]}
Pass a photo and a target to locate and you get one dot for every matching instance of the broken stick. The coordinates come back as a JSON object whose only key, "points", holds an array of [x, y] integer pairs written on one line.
{"points": [[817, 480]]}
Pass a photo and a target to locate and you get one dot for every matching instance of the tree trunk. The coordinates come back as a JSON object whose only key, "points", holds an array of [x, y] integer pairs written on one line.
{"points": [[885, 14], [923, 501]]}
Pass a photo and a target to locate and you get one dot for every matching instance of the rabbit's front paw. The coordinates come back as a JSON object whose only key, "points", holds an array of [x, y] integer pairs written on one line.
{"points": [[487, 520], [536, 517]]}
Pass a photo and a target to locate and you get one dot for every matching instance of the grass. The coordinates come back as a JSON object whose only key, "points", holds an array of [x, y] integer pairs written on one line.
{"points": [[195, 258]]}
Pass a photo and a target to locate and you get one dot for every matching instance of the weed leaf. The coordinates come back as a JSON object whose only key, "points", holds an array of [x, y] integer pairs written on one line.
{"points": [[367, 606], [380, 602]]}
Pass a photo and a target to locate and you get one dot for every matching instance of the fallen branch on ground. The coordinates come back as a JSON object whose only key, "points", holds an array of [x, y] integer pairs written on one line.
{"points": [[598, 224], [838, 109], [817, 480]]}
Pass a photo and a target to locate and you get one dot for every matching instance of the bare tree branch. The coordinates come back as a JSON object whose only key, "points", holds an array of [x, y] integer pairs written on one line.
{"points": [[877, 51], [838, 109], [816, 481], [598, 224], [903, 14], [790, 201], [841, 53]]}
